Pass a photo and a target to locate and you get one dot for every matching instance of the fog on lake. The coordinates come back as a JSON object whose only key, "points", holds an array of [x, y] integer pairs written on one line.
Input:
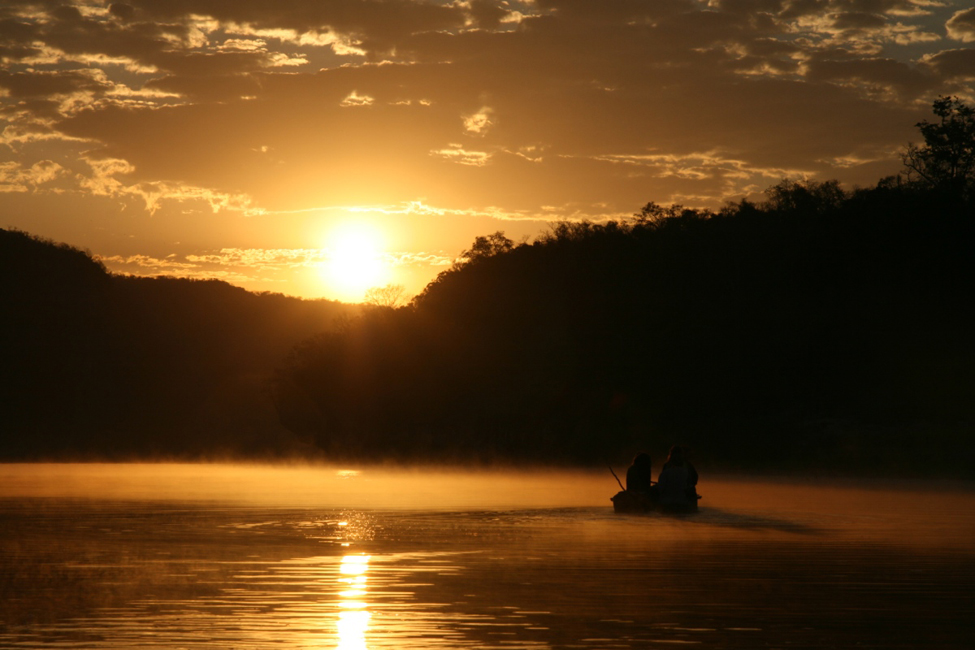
{"points": [[256, 556]]}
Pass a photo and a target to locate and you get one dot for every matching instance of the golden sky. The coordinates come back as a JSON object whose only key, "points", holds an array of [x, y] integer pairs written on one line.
{"points": [[290, 145]]}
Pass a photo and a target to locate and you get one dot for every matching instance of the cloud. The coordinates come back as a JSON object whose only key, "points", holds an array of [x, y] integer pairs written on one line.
{"points": [[456, 153], [489, 14], [43, 84], [247, 106], [263, 258], [213, 88], [231, 122], [236, 265], [953, 64], [148, 265], [961, 26], [729, 177], [111, 177], [253, 266], [45, 171], [269, 260], [874, 75], [858, 20], [15, 177], [421, 258], [375, 27], [355, 99], [479, 122], [23, 130], [154, 194]]}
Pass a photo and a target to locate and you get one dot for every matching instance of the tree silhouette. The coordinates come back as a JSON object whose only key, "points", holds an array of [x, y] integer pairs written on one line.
{"points": [[947, 159], [488, 246], [820, 327], [390, 296], [805, 196]]}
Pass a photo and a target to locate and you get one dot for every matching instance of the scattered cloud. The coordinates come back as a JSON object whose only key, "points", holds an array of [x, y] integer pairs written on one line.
{"points": [[961, 26], [732, 177], [457, 154], [480, 122], [550, 108], [355, 99], [15, 177], [419, 259], [148, 265], [263, 258], [108, 177], [255, 266], [953, 64]]}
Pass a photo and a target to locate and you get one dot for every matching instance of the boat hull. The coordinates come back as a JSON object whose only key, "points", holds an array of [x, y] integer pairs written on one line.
{"points": [[637, 503]]}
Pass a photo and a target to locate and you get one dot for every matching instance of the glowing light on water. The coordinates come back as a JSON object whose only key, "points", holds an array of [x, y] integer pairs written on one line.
{"points": [[355, 564], [353, 623], [352, 627], [460, 559]]}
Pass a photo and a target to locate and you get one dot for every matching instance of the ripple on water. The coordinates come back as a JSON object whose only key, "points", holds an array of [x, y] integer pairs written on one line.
{"points": [[101, 574]]}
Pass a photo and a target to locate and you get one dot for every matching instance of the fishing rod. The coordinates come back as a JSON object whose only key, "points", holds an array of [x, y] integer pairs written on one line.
{"points": [[615, 476]]}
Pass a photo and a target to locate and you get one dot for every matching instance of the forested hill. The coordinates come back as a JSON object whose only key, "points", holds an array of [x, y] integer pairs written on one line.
{"points": [[94, 365], [820, 329]]}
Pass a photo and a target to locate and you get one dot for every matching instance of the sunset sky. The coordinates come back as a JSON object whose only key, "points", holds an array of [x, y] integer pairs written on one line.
{"points": [[320, 147]]}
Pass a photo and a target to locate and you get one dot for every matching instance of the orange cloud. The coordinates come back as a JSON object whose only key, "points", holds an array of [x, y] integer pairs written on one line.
{"points": [[473, 113]]}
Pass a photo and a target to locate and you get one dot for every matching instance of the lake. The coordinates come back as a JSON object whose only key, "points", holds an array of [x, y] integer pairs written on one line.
{"points": [[236, 556]]}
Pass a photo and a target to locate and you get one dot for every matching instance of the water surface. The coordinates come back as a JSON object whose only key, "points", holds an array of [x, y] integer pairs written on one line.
{"points": [[221, 556]]}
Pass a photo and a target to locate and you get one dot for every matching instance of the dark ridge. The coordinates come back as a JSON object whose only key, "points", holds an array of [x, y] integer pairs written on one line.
{"points": [[96, 365], [822, 329], [819, 330]]}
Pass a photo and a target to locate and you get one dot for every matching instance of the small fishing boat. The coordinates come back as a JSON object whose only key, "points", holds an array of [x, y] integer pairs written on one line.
{"points": [[628, 501]]}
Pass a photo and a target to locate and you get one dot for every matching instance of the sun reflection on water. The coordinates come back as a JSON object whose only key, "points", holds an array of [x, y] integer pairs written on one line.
{"points": [[352, 628], [353, 621], [108, 558]]}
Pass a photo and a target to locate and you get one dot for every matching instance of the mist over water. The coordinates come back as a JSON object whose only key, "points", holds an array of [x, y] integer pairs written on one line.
{"points": [[309, 485], [254, 556]]}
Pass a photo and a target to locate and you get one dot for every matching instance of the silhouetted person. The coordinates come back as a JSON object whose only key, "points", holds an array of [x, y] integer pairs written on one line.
{"points": [[638, 476], [677, 481]]}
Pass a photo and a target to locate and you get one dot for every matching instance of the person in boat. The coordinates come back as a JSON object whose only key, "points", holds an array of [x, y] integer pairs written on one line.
{"points": [[639, 477], [677, 483]]}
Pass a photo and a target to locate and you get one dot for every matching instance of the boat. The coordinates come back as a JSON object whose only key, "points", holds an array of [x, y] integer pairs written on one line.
{"points": [[630, 502]]}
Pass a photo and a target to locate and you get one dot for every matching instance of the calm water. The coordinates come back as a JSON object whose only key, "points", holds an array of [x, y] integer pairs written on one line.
{"points": [[196, 556]]}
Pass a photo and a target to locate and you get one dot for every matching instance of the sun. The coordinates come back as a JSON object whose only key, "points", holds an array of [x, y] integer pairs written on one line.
{"points": [[354, 261]]}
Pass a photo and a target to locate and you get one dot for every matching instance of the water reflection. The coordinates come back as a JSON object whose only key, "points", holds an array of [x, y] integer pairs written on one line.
{"points": [[353, 621], [760, 566]]}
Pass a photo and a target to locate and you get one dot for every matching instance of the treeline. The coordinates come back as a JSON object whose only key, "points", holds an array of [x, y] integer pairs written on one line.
{"points": [[819, 329], [95, 365]]}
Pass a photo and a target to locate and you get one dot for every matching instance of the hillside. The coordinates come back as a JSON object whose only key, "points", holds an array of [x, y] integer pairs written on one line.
{"points": [[819, 330], [103, 366]]}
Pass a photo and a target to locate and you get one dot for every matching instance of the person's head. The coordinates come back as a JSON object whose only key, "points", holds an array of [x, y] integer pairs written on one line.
{"points": [[642, 459], [676, 455]]}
